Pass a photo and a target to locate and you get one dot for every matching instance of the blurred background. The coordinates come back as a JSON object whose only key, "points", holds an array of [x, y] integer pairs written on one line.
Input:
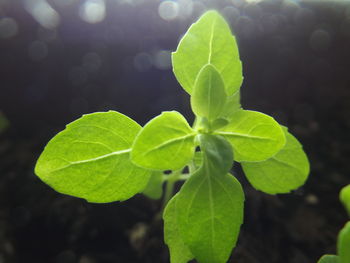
{"points": [[60, 59]]}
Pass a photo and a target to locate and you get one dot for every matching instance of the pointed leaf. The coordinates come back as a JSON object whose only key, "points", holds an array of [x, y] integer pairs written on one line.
{"points": [[285, 171], [90, 159], [210, 212], [254, 136], [209, 95], [208, 41], [179, 252], [345, 197], [154, 188], [329, 259], [209, 206], [343, 244], [165, 143]]}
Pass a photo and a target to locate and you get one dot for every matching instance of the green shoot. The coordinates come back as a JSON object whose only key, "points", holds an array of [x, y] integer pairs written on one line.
{"points": [[106, 156]]}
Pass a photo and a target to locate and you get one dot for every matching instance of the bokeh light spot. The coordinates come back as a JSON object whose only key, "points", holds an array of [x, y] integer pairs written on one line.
{"points": [[64, 3], [43, 13], [162, 60], [168, 10], [231, 13], [93, 11], [8, 27]]}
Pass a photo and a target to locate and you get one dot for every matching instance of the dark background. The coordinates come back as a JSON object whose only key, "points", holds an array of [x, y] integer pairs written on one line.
{"points": [[59, 61]]}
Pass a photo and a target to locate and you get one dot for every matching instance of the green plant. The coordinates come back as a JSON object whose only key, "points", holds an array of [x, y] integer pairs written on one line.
{"points": [[106, 156], [343, 242]]}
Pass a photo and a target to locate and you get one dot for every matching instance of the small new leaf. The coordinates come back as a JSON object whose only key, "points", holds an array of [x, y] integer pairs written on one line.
{"points": [[208, 41], [165, 143], [217, 153], [329, 259], [209, 95], [179, 252], [285, 171], [254, 136], [345, 197], [343, 244], [90, 159]]}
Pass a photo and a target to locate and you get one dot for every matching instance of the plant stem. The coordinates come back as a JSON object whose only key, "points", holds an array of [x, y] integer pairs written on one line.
{"points": [[169, 188]]}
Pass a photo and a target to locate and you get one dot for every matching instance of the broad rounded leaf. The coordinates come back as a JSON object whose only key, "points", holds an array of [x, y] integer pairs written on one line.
{"points": [[343, 244], [210, 212], [329, 259], [208, 41], [154, 188], [254, 136], [209, 95], [179, 252], [345, 197], [165, 143], [285, 171], [90, 159]]}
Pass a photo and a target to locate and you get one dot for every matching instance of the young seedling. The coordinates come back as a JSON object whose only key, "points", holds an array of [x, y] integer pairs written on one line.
{"points": [[343, 243], [106, 156]]}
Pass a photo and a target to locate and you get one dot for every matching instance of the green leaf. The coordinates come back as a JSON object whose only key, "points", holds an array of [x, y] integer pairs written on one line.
{"points": [[233, 104], [218, 123], [254, 136], [154, 188], [343, 244], [179, 252], [208, 41], [198, 159], [285, 171], [210, 212], [90, 159], [218, 153], [345, 197], [209, 95], [165, 143], [209, 206], [329, 259]]}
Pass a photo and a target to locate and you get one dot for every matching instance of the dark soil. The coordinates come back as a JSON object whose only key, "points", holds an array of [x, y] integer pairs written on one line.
{"points": [[292, 72]]}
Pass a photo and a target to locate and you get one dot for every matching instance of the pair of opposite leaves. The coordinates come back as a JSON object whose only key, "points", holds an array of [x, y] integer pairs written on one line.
{"points": [[91, 157]]}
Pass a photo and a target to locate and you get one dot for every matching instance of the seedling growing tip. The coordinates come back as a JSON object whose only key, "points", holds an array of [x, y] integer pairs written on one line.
{"points": [[105, 156]]}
